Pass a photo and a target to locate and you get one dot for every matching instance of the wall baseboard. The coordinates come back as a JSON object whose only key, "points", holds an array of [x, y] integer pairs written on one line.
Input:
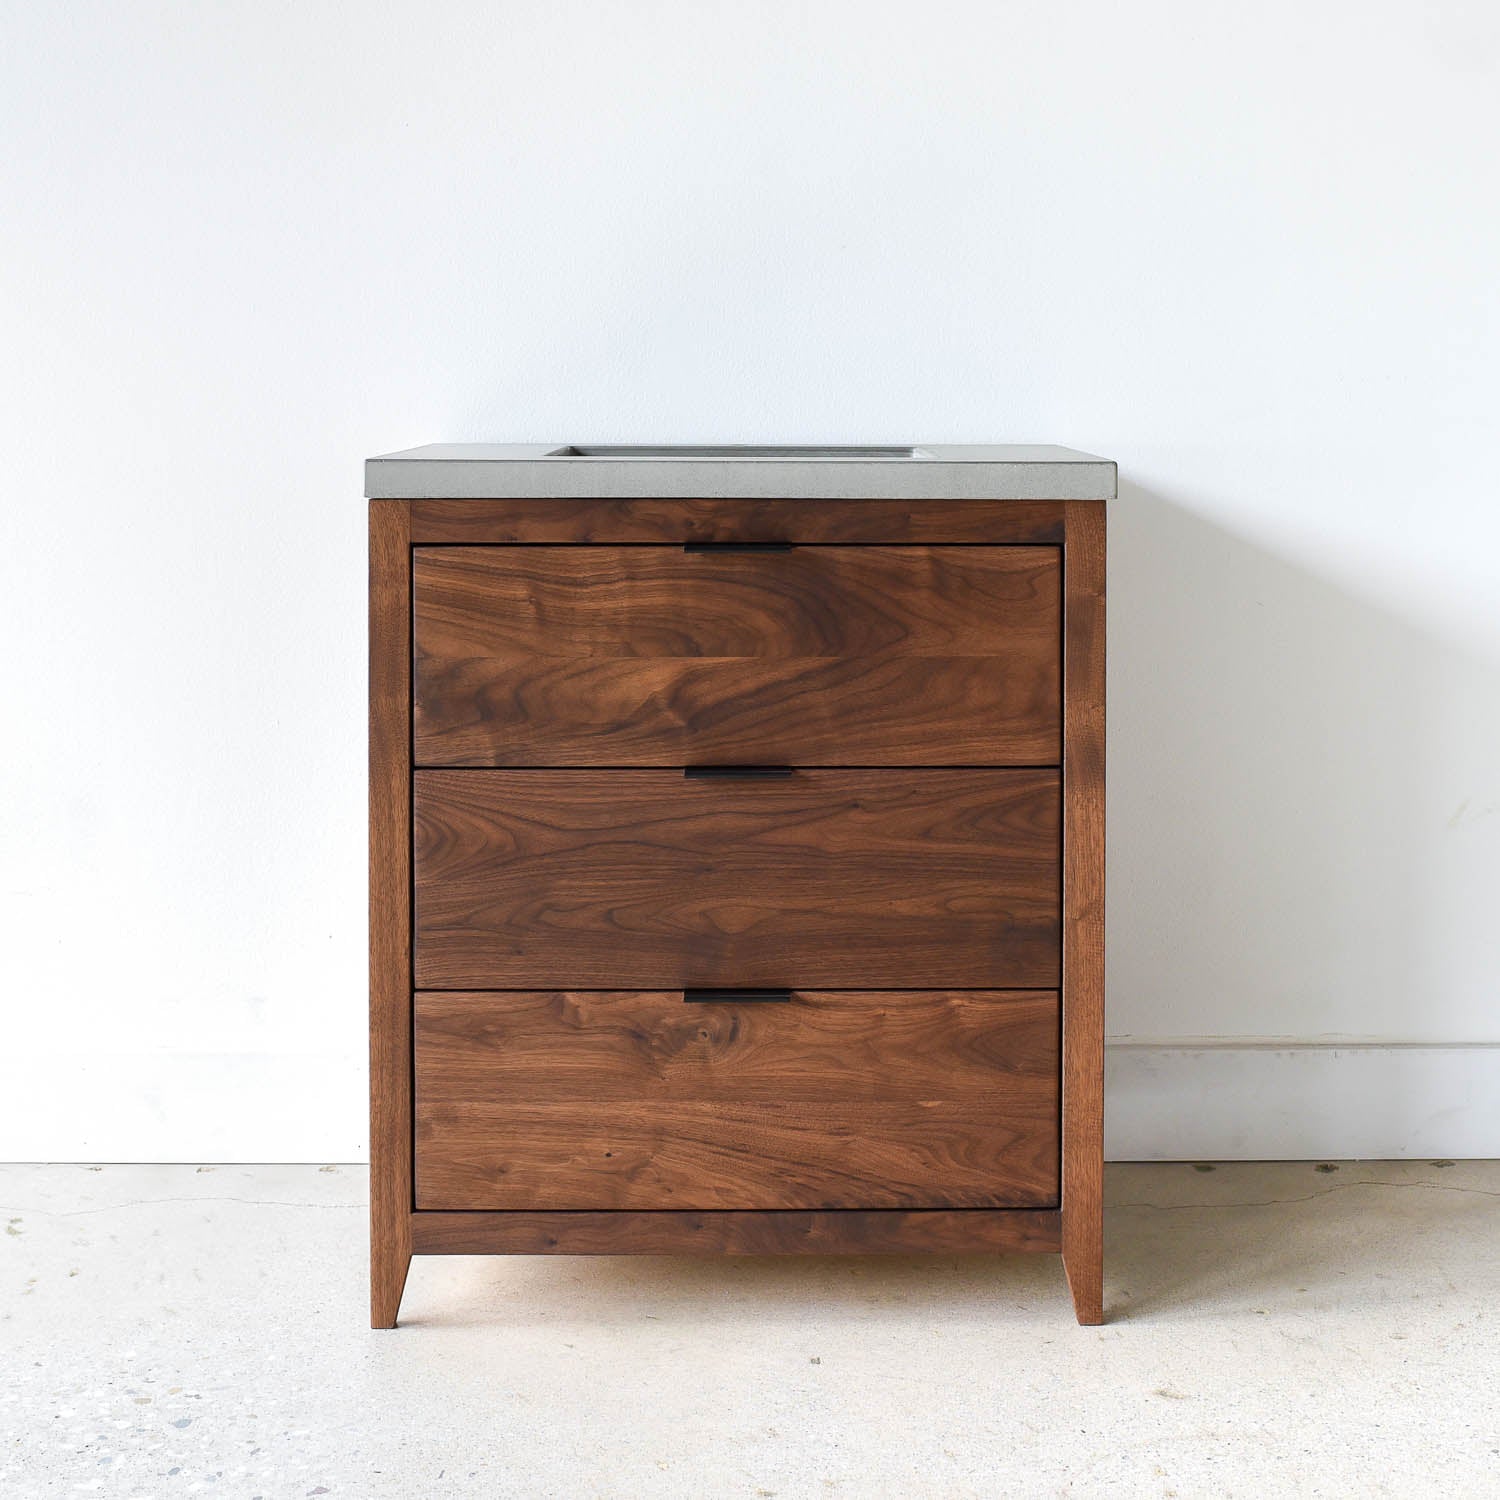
{"points": [[1282, 1100], [1171, 1099], [184, 1107]]}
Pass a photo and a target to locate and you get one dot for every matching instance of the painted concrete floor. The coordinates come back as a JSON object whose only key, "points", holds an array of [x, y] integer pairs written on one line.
{"points": [[1286, 1329]]}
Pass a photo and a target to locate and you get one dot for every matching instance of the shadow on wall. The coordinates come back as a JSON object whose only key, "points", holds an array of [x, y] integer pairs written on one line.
{"points": [[1303, 840]]}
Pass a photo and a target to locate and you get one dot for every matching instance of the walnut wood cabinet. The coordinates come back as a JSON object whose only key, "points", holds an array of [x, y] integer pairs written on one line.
{"points": [[736, 879]]}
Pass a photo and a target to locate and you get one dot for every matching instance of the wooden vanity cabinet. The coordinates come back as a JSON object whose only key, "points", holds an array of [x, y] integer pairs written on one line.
{"points": [[736, 879]]}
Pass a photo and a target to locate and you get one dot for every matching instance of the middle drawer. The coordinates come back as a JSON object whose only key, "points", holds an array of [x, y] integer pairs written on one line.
{"points": [[644, 879]]}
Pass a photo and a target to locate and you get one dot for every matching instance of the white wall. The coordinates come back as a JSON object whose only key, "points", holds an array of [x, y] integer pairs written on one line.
{"points": [[1250, 251]]}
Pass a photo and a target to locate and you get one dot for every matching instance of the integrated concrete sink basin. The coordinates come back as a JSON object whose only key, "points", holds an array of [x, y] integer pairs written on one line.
{"points": [[731, 451], [746, 471]]}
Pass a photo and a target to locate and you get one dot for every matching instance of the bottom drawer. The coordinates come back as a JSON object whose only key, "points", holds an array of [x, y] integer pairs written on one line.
{"points": [[637, 1099]]}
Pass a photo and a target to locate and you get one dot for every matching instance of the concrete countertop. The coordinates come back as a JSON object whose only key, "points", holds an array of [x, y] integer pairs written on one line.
{"points": [[458, 471]]}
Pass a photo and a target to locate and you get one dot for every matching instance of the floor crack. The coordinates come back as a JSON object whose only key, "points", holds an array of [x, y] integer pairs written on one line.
{"points": [[1337, 1187], [73, 1213]]}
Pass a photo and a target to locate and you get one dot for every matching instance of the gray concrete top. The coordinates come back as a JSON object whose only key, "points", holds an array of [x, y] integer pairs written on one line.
{"points": [[476, 471]]}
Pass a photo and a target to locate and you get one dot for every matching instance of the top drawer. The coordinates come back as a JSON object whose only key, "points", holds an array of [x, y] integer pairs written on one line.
{"points": [[810, 656]]}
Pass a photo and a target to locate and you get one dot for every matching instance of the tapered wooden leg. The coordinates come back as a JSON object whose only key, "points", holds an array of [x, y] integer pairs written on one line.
{"points": [[1083, 1260], [389, 1264]]}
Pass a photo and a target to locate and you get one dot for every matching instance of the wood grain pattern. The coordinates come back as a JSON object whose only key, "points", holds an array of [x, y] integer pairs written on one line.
{"points": [[641, 1101], [820, 1047], [1083, 911], [390, 909], [623, 656], [504, 1154], [828, 879], [846, 1232], [674, 521]]}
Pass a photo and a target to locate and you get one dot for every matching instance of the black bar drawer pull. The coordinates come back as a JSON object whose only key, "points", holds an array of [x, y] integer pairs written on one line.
{"points": [[759, 997], [735, 773], [737, 546]]}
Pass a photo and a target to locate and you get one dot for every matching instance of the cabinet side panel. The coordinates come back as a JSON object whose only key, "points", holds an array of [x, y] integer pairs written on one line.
{"points": [[1083, 907], [390, 907]]}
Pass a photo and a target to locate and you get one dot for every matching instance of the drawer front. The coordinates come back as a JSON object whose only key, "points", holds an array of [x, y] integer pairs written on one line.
{"points": [[656, 656], [640, 1100], [826, 879]]}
